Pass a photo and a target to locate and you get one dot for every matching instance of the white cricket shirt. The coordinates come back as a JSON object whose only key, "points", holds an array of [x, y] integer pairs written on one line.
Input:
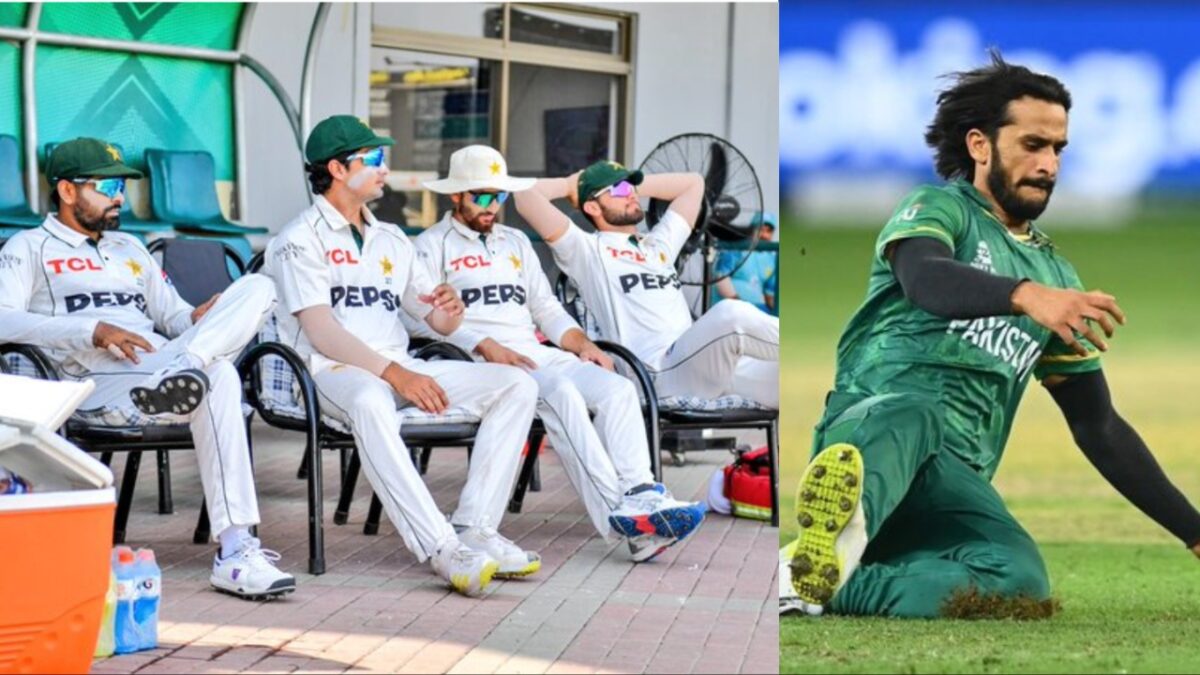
{"points": [[315, 260], [499, 279], [56, 284], [629, 283]]}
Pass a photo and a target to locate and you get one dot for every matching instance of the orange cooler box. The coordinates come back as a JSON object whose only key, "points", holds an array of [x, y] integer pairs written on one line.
{"points": [[54, 567]]}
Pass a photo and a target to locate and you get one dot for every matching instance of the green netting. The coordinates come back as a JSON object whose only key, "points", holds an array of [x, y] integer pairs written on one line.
{"points": [[201, 24], [12, 14], [10, 90], [137, 101]]}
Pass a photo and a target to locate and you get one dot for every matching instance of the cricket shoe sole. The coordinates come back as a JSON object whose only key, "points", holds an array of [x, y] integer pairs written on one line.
{"points": [[827, 502], [179, 393]]}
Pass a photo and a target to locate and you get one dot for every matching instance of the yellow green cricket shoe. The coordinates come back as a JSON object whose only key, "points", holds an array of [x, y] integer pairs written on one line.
{"points": [[467, 571], [832, 525]]}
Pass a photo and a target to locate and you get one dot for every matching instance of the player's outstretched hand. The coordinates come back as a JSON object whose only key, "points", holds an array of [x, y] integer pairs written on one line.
{"points": [[200, 311], [593, 354], [422, 390], [1067, 311], [120, 342], [445, 298], [494, 352]]}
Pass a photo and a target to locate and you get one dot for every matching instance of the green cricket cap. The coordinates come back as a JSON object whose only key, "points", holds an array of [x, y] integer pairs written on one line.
{"points": [[87, 158], [603, 174], [340, 134]]}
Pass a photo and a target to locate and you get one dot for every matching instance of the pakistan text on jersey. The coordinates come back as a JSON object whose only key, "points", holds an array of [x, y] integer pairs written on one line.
{"points": [[648, 281], [363, 296], [1001, 339], [81, 301], [494, 294]]}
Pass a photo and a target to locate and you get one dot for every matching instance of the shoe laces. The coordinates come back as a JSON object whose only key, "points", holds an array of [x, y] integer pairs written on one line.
{"points": [[255, 555]]}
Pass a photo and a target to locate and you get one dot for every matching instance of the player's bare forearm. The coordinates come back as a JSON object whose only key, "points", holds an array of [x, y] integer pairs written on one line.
{"points": [[685, 192], [535, 207], [725, 289]]}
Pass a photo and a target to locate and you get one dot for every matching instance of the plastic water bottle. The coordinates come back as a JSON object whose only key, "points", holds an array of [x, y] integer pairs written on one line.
{"points": [[149, 591], [125, 629], [105, 645]]}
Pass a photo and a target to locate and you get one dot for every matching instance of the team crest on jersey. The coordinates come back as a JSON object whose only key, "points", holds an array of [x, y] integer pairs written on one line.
{"points": [[516, 262], [388, 268], [9, 261], [983, 258]]}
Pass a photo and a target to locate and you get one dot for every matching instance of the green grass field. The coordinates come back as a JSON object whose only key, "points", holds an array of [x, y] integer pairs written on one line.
{"points": [[1130, 593]]}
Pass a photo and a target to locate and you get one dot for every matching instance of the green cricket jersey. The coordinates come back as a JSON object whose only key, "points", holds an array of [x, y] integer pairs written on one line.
{"points": [[976, 369]]}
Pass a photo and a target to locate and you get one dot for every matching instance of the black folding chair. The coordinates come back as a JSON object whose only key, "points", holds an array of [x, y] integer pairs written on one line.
{"points": [[661, 419]]}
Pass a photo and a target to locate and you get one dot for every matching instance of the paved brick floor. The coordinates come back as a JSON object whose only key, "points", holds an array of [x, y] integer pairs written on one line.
{"points": [[705, 606]]}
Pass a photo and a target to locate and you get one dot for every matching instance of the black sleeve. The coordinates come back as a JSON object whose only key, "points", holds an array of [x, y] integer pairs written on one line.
{"points": [[1116, 450], [937, 283]]}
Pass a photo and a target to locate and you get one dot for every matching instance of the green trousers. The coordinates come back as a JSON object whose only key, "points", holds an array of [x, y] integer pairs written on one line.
{"points": [[934, 525]]}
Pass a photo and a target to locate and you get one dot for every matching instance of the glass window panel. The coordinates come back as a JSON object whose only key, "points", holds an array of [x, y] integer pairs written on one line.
{"points": [[559, 121], [431, 105]]}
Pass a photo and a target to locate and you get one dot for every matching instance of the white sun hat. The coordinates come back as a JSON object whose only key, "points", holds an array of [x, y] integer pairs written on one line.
{"points": [[478, 167]]}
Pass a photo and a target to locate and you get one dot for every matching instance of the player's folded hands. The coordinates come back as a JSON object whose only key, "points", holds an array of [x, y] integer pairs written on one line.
{"points": [[119, 342]]}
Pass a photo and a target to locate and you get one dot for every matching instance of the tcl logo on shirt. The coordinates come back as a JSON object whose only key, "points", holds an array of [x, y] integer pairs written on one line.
{"points": [[60, 265], [340, 256], [622, 254], [494, 294], [469, 262]]}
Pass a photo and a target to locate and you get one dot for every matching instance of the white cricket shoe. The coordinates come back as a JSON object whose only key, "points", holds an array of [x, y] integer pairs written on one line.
{"points": [[514, 562], [250, 573], [466, 570]]}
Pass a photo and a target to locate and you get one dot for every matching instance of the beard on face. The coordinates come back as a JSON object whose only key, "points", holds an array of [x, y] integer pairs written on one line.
{"points": [[97, 220], [622, 215], [481, 222], [998, 181]]}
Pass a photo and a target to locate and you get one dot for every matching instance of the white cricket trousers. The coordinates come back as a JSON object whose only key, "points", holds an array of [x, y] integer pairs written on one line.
{"points": [[603, 457], [218, 428], [502, 397], [732, 349]]}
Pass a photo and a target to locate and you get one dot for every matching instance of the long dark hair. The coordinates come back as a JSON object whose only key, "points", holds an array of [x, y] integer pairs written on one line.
{"points": [[979, 99]]}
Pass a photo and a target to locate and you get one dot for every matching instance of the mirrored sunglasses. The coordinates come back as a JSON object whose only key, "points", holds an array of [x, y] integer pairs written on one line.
{"points": [[620, 190], [485, 199], [370, 158], [109, 187]]}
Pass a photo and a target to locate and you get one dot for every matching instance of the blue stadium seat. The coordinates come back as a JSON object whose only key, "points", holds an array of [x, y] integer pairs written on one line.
{"points": [[14, 209], [129, 221], [183, 192]]}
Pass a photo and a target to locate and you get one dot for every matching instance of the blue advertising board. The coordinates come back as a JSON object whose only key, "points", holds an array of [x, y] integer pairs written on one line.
{"points": [[858, 82]]}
